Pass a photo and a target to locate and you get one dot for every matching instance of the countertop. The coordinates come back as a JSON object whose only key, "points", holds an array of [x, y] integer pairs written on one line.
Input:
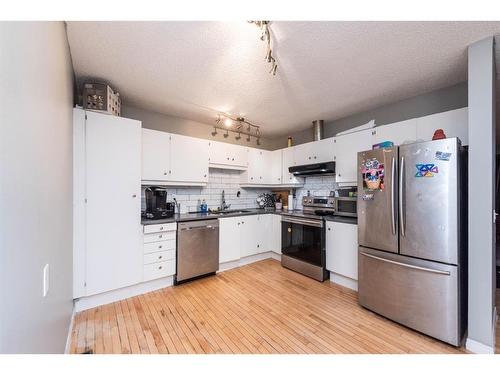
{"points": [[249, 211]]}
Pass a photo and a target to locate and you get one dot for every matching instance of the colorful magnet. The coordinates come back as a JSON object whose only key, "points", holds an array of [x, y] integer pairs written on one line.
{"points": [[426, 170], [444, 156], [372, 172], [367, 197]]}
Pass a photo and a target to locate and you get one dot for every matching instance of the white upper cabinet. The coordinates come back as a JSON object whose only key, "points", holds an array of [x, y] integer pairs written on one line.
{"points": [[454, 123], [260, 170], [346, 154], [398, 132], [276, 166], [288, 161], [227, 156], [112, 160], [189, 159], [173, 159], [155, 155], [314, 152]]}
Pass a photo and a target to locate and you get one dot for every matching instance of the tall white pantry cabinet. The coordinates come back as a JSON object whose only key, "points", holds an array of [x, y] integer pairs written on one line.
{"points": [[107, 203]]}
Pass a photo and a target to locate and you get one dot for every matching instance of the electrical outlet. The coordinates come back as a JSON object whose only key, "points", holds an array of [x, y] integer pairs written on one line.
{"points": [[45, 280]]}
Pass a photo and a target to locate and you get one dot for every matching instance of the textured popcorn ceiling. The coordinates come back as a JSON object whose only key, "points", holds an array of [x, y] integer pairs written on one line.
{"points": [[327, 70]]}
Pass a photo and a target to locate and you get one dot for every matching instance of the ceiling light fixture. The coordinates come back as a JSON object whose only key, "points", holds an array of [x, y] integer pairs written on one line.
{"points": [[266, 37], [237, 125]]}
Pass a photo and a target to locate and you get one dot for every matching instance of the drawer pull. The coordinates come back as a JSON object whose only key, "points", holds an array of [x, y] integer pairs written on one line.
{"points": [[447, 273], [161, 228], [160, 246], [160, 267], [160, 236], [160, 257]]}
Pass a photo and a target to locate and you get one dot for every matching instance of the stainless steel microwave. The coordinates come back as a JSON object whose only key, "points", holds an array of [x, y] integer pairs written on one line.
{"points": [[346, 206]]}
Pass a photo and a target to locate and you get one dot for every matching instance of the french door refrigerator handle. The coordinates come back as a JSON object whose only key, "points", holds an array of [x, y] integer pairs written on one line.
{"points": [[401, 198], [447, 273], [393, 183]]}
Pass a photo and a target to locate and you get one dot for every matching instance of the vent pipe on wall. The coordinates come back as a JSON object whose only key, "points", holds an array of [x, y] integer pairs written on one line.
{"points": [[318, 130]]}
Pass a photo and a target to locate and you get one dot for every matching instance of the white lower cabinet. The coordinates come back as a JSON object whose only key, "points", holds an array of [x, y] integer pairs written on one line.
{"points": [[229, 239], [342, 249], [159, 251], [244, 236], [249, 232]]}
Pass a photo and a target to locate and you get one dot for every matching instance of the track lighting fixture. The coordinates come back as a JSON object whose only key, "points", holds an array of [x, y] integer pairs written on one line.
{"points": [[237, 125]]}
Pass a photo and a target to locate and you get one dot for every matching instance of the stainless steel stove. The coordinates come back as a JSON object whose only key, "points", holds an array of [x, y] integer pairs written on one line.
{"points": [[303, 237]]}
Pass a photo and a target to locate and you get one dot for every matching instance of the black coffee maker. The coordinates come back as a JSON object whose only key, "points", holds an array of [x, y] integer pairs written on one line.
{"points": [[157, 206]]}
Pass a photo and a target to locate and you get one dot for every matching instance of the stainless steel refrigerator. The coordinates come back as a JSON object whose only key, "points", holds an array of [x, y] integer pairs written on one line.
{"points": [[412, 236]]}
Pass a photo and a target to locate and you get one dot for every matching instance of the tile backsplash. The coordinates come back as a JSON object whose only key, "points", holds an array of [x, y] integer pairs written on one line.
{"points": [[218, 180], [316, 185]]}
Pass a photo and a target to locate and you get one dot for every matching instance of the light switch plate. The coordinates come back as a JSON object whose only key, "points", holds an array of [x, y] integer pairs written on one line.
{"points": [[45, 280]]}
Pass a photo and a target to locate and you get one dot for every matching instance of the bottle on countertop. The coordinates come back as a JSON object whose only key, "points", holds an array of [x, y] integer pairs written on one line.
{"points": [[204, 206]]}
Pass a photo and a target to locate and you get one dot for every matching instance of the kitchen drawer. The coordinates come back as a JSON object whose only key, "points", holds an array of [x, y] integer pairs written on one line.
{"points": [[160, 256], [158, 270], [152, 247], [160, 236], [153, 228]]}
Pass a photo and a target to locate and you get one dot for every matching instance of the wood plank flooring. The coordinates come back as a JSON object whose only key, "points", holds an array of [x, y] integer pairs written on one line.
{"points": [[258, 308]]}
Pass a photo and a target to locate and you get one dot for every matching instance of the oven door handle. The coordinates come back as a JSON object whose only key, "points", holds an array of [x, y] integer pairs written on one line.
{"points": [[293, 220]]}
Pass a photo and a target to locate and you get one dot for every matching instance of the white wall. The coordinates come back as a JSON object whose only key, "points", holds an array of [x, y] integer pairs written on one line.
{"points": [[36, 96], [481, 337]]}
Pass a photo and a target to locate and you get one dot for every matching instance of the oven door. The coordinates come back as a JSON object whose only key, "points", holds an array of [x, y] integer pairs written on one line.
{"points": [[303, 239]]}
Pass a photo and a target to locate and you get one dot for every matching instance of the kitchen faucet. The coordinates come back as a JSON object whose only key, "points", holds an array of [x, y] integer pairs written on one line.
{"points": [[223, 205]]}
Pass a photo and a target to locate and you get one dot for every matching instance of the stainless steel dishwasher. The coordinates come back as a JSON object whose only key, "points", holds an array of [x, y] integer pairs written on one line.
{"points": [[197, 249]]}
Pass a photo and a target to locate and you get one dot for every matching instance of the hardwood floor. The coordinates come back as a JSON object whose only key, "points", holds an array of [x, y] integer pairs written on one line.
{"points": [[258, 308]]}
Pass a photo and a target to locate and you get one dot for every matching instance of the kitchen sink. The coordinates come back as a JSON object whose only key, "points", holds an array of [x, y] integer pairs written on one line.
{"points": [[227, 212]]}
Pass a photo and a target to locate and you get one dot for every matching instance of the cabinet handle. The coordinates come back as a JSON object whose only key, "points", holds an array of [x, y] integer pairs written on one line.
{"points": [[204, 175], [315, 157], [232, 159], [134, 195], [251, 178], [161, 228], [160, 246], [258, 245], [309, 158], [164, 173], [227, 158], [329, 228], [160, 236], [160, 256], [169, 172], [160, 267], [239, 223]]}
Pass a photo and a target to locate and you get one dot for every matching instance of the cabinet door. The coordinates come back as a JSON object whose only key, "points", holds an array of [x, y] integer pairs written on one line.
{"points": [[248, 235], [275, 170], [346, 154], [342, 249], [398, 132], [218, 153], [112, 163], [287, 162], [276, 234], [155, 155], [239, 156], [256, 166], [189, 159], [323, 150], [454, 123], [303, 154], [229, 239], [264, 233]]}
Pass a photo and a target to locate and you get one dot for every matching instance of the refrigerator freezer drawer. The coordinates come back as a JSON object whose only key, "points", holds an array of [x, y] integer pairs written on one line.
{"points": [[419, 294]]}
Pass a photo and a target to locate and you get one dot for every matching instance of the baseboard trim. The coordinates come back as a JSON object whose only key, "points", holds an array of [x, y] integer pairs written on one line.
{"points": [[70, 331], [85, 303], [344, 281], [248, 260], [478, 347]]}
